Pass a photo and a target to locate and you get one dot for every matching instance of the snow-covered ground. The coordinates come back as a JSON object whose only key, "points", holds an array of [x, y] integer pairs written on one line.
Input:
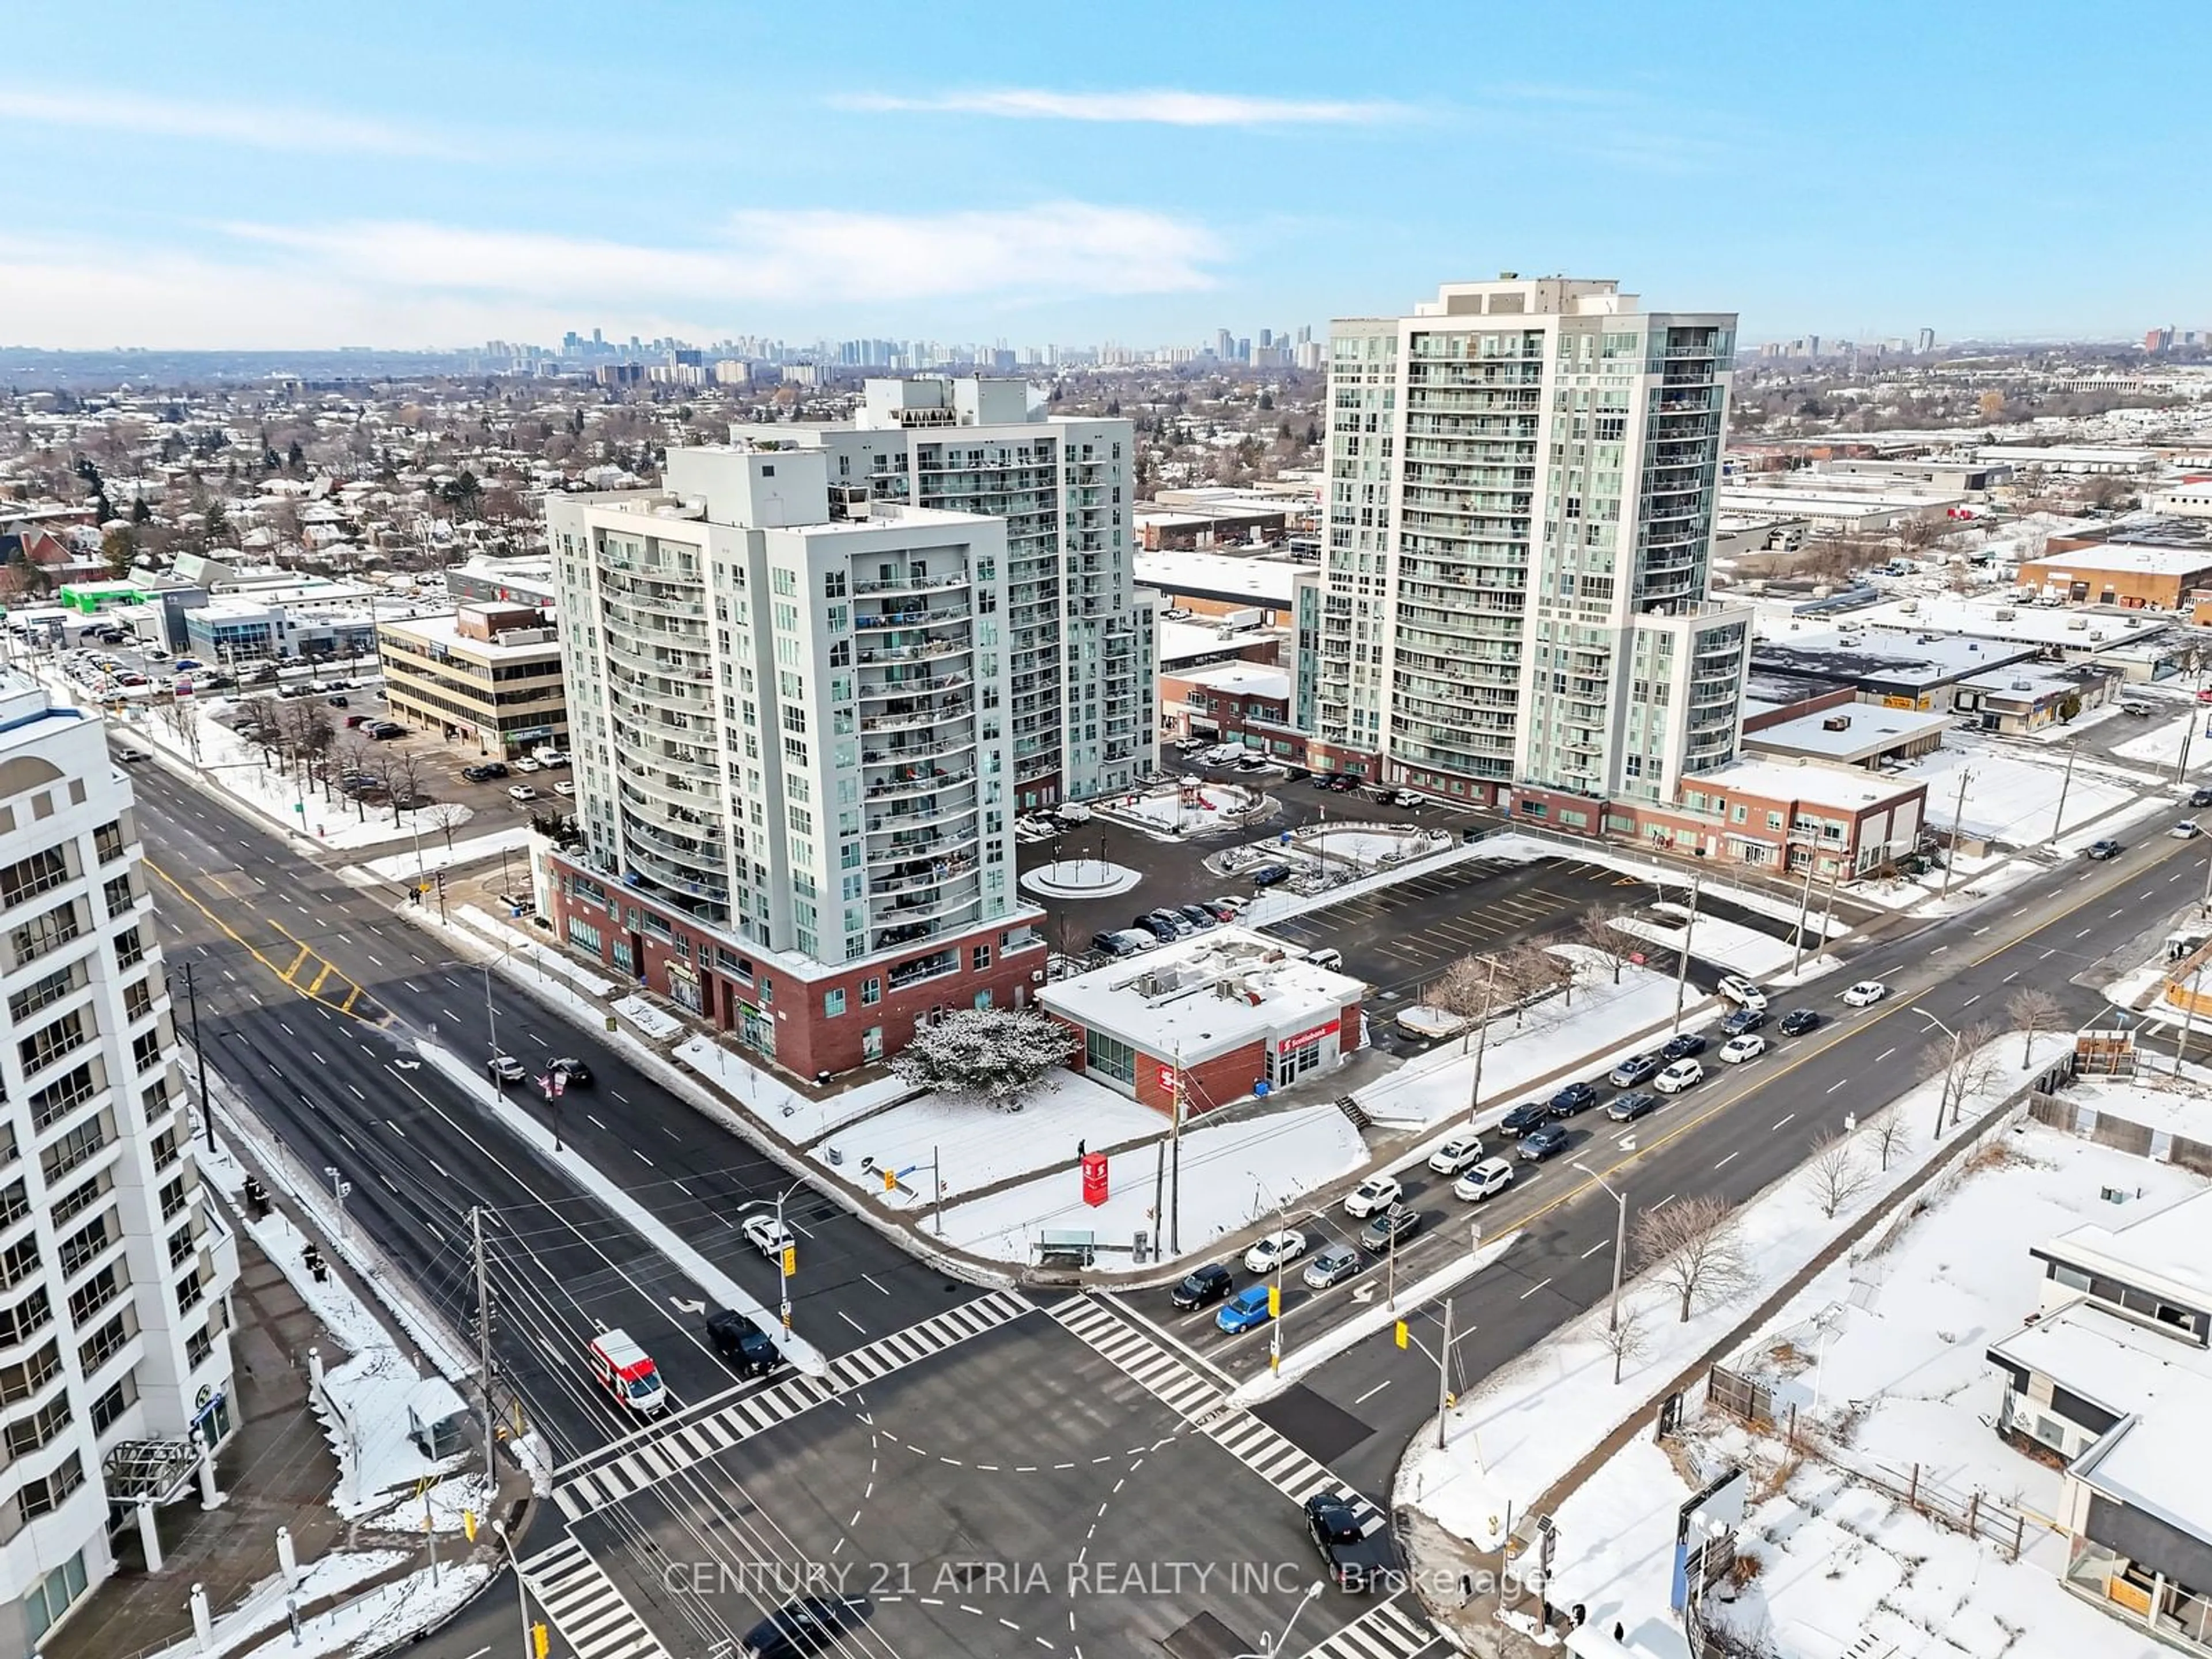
{"points": [[2161, 747], [1535, 1419], [656, 1024], [2012, 795], [436, 855], [1164, 811], [1234, 1175], [792, 1115], [263, 1610], [1371, 846], [974, 1146], [1893, 1341], [1603, 1019], [1743, 949], [227, 761]]}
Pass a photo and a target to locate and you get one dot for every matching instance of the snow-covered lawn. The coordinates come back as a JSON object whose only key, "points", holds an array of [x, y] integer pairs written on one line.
{"points": [[975, 1147], [2013, 795], [656, 1024], [1894, 1341], [1603, 1019], [263, 1608], [436, 855], [1164, 811], [545, 956], [1371, 846], [1234, 1175], [794, 1117], [1535, 1419], [227, 761], [2161, 748], [1741, 950]]}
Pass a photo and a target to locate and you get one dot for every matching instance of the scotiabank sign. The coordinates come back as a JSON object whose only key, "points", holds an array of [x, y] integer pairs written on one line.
{"points": [[1306, 1039]]}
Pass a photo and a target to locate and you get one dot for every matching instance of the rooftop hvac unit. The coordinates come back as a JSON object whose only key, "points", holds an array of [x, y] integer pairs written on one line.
{"points": [[1836, 723]]}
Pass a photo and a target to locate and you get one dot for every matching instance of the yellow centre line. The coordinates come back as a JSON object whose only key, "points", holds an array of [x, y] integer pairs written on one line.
{"points": [[284, 976]]}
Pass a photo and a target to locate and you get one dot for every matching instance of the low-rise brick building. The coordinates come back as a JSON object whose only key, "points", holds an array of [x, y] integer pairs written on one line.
{"points": [[1780, 814]]}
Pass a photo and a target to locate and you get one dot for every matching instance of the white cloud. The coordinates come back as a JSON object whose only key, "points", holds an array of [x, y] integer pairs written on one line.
{"points": [[280, 128], [1164, 106], [407, 283]]}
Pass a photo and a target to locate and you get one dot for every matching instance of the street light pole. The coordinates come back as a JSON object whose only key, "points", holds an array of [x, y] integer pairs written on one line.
{"points": [[199, 1055], [2058, 821], [1271, 1647], [1957, 822], [1620, 1244], [1943, 1096], [1682, 963], [2188, 1018], [491, 1012], [1804, 910]]}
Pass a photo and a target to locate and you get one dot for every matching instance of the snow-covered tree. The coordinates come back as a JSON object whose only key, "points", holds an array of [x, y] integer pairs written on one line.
{"points": [[994, 1056]]}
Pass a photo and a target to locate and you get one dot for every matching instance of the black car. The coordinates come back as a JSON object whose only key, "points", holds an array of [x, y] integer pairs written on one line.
{"points": [[744, 1346], [1390, 1227], [1798, 1021], [1357, 1559], [1524, 1117], [1682, 1047], [484, 771], [1544, 1141], [337, 700], [1637, 1069], [1203, 1287], [578, 1074], [1626, 1108], [1197, 915], [384, 731], [1157, 925], [1270, 875], [1575, 1098], [806, 1625], [2201, 796], [1744, 1019]]}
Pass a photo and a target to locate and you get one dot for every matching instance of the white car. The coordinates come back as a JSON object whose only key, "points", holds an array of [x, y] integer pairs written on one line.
{"points": [[1866, 993], [1738, 1049], [1276, 1249], [1378, 1192], [1741, 992], [766, 1235], [564, 787], [524, 763], [1682, 1074], [521, 792], [1485, 1179], [1455, 1155], [2184, 829]]}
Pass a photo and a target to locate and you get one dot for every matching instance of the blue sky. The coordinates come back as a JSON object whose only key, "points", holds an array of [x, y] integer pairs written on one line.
{"points": [[200, 175]]}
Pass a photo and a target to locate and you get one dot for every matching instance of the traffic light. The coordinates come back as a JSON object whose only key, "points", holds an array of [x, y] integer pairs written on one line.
{"points": [[1402, 1334], [890, 1180], [540, 1643], [1275, 1302], [469, 1525], [790, 1259]]}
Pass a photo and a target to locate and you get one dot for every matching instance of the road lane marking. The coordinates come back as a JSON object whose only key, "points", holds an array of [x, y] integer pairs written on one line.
{"points": [[1884, 1055], [1730, 1158], [1971, 1001], [2009, 977], [1837, 1084], [648, 1162], [1595, 1249], [870, 1278], [357, 1094], [596, 1124], [1534, 1288], [853, 1322], [1372, 1392], [1780, 1122]]}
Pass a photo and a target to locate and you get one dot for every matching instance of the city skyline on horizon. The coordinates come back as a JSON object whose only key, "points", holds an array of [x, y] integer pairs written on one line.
{"points": [[1066, 187]]}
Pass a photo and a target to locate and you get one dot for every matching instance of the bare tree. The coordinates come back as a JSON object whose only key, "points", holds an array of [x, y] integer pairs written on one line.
{"points": [[1594, 929], [1695, 1247], [1978, 1069], [400, 774], [1466, 988], [1887, 1133], [1836, 1173], [2032, 1009], [1624, 1339], [181, 716], [265, 714], [1527, 972], [445, 817]]}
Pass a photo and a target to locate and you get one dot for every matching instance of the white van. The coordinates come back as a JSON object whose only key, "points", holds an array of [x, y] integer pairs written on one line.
{"points": [[1327, 956], [548, 754], [627, 1371]]}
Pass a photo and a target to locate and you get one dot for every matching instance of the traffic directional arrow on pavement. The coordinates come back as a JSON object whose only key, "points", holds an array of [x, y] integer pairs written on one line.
{"points": [[682, 1306]]}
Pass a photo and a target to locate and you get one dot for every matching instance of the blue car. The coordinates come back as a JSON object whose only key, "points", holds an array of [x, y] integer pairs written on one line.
{"points": [[1246, 1310]]}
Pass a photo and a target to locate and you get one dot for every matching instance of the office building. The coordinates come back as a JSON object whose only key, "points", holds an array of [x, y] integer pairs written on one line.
{"points": [[794, 717], [1519, 524], [486, 674], [115, 1367], [1079, 631]]}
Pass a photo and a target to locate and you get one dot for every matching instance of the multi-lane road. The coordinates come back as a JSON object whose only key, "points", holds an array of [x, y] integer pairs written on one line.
{"points": [[955, 1428]]}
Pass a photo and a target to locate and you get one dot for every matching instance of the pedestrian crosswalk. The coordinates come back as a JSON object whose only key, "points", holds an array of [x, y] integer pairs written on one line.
{"points": [[616, 1472], [1385, 1631], [582, 1603], [1142, 1357], [1205, 1404]]}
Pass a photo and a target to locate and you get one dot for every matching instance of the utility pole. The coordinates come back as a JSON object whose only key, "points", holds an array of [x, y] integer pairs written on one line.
{"points": [[936, 1192], [199, 1055], [340, 1188], [2188, 1018], [1943, 1096], [1804, 909], [484, 1337], [491, 1013], [1175, 1162], [1682, 956], [1958, 819], [1481, 1042], [1443, 1374], [1828, 910], [2204, 905], [2059, 822]]}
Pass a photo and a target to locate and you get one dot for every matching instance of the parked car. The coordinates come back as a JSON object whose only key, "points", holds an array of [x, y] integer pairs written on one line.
{"points": [[766, 1234], [1456, 1155], [1162, 930], [743, 1346], [1270, 875], [1197, 915], [524, 763], [337, 700], [1276, 1248], [1740, 991], [384, 731], [565, 789], [1344, 783], [1246, 1310], [1378, 1192], [1178, 925], [1333, 1265], [1524, 1117], [1224, 909], [1485, 1179], [2101, 850], [1407, 798], [1798, 1021], [1742, 1020], [1865, 994], [1391, 1227], [521, 792], [354, 721], [1253, 763], [1682, 1074], [1113, 944], [1682, 1047], [1738, 1049], [1575, 1098], [1538, 1144], [546, 755], [1627, 1108], [1637, 1069], [1202, 1287]]}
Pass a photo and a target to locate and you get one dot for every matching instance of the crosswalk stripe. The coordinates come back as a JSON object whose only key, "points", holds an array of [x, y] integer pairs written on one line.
{"points": [[592, 1616], [1384, 1631]]}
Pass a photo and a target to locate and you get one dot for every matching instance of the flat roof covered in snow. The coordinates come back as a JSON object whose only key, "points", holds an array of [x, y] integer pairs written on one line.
{"points": [[1210, 994], [2129, 558], [1250, 679], [1222, 575], [1847, 789], [1867, 729], [2163, 1251]]}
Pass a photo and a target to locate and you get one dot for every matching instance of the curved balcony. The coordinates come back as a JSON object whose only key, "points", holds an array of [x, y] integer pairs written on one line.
{"points": [[658, 732], [914, 616], [879, 688], [921, 873], [643, 750], [923, 650], [935, 809], [912, 584], [697, 668], [651, 792], [928, 904], [650, 873], [905, 846], [909, 719], [909, 754], [677, 617], [706, 860], [918, 781]]}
